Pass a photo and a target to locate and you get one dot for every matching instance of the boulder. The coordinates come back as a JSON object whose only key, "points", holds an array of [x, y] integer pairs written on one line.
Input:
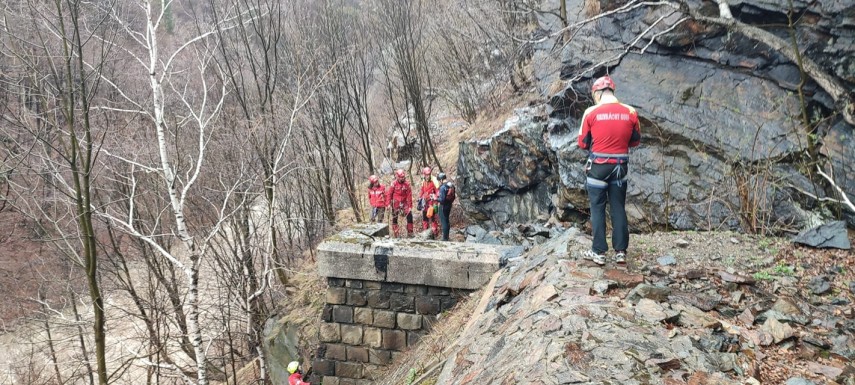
{"points": [[282, 344], [829, 235], [508, 177]]}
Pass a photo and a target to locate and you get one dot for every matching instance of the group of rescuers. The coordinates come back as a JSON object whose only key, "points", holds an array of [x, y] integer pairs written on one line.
{"points": [[608, 130], [434, 201]]}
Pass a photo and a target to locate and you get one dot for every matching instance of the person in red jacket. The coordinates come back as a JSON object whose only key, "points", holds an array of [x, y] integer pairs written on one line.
{"points": [[428, 203], [377, 199], [296, 377], [400, 196], [608, 130]]}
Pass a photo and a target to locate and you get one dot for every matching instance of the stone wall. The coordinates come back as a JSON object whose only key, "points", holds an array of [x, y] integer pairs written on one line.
{"points": [[385, 294], [366, 324]]}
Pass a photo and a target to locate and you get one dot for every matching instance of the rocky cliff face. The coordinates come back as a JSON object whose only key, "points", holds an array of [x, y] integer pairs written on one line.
{"points": [[690, 312], [724, 145]]}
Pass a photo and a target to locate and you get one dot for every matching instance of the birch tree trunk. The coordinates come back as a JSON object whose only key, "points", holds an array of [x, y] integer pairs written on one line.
{"points": [[176, 197]]}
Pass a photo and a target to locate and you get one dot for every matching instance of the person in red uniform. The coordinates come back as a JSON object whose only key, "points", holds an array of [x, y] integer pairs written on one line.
{"points": [[296, 377], [608, 130], [428, 201], [400, 196], [376, 198]]}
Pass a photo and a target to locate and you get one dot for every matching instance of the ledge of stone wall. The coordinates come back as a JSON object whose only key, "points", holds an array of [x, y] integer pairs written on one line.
{"points": [[364, 253]]}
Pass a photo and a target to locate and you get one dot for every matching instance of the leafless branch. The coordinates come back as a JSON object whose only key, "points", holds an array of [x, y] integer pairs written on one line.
{"points": [[844, 199]]}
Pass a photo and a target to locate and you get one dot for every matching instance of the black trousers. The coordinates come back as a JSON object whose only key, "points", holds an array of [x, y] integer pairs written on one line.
{"points": [[444, 213], [607, 183]]}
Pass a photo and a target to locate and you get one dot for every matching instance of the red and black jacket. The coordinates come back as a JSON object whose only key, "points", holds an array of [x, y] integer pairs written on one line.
{"points": [[608, 130]]}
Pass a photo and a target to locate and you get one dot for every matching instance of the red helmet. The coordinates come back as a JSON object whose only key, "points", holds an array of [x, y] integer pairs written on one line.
{"points": [[399, 173], [603, 83], [373, 179], [426, 171]]}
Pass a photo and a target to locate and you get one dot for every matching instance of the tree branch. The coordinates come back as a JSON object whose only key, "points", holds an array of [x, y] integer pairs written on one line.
{"points": [[828, 83], [844, 198]]}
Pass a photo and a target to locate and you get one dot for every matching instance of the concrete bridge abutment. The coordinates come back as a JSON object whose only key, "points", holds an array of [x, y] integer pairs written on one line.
{"points": [[384, 294]]}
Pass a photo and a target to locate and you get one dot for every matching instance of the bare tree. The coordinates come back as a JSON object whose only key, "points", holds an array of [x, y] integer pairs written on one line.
{"points": [[59, 56], [173, 92], [401, 28]]}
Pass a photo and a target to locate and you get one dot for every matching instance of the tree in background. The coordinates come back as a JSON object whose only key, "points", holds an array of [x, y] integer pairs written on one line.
{"points": [[57, 51], [224, 138], [400, 24]]}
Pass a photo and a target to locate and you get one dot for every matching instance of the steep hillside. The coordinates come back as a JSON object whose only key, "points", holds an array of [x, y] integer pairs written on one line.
{"points": [[691, 308]]}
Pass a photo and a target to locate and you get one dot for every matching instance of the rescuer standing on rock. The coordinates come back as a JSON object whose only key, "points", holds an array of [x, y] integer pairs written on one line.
{"points": [[608, 130], [428, 203], [447, 195], [401, 202], [377, 199]]}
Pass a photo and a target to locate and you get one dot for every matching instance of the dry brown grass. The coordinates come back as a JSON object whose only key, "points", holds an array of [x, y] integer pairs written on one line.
{"points": [[592, 8]]}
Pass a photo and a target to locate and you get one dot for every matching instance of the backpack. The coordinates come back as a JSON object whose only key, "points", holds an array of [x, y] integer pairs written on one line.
{"points": [[450, 195]]}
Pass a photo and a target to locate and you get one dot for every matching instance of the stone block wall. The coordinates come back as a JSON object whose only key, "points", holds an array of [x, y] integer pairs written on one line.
{"points": [[384, 295], [367, 324]]}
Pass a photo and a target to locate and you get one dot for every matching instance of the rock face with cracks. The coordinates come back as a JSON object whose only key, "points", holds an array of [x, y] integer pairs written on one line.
{"points": [[723, 139]]}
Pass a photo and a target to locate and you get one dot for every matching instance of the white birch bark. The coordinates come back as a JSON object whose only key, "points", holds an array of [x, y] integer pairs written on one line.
{"points": [[191, 270]]}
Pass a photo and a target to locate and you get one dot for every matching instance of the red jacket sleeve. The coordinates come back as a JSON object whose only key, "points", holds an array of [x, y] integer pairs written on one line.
{"points": [[635, 140], [408, 197], [584, 139]]}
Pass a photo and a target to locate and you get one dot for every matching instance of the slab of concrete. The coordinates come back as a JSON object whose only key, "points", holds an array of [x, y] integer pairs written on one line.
{"points": [[359, 254]]}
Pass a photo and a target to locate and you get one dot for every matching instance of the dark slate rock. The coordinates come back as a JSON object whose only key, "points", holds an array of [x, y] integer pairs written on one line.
{"points": [[491, 239], [475, 233], [697, 87], [819, 285], [717, 342], [843, 346], [839, 146], [852, 287], [508, 177], [656, 293], [815, 341], [705, 302], [830, 235], [683, 174], [734, 278], [783, 317], [847, 376]]}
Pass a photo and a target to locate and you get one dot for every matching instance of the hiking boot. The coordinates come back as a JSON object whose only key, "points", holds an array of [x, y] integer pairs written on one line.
{"points": [[620, 257], [596, 258]]}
